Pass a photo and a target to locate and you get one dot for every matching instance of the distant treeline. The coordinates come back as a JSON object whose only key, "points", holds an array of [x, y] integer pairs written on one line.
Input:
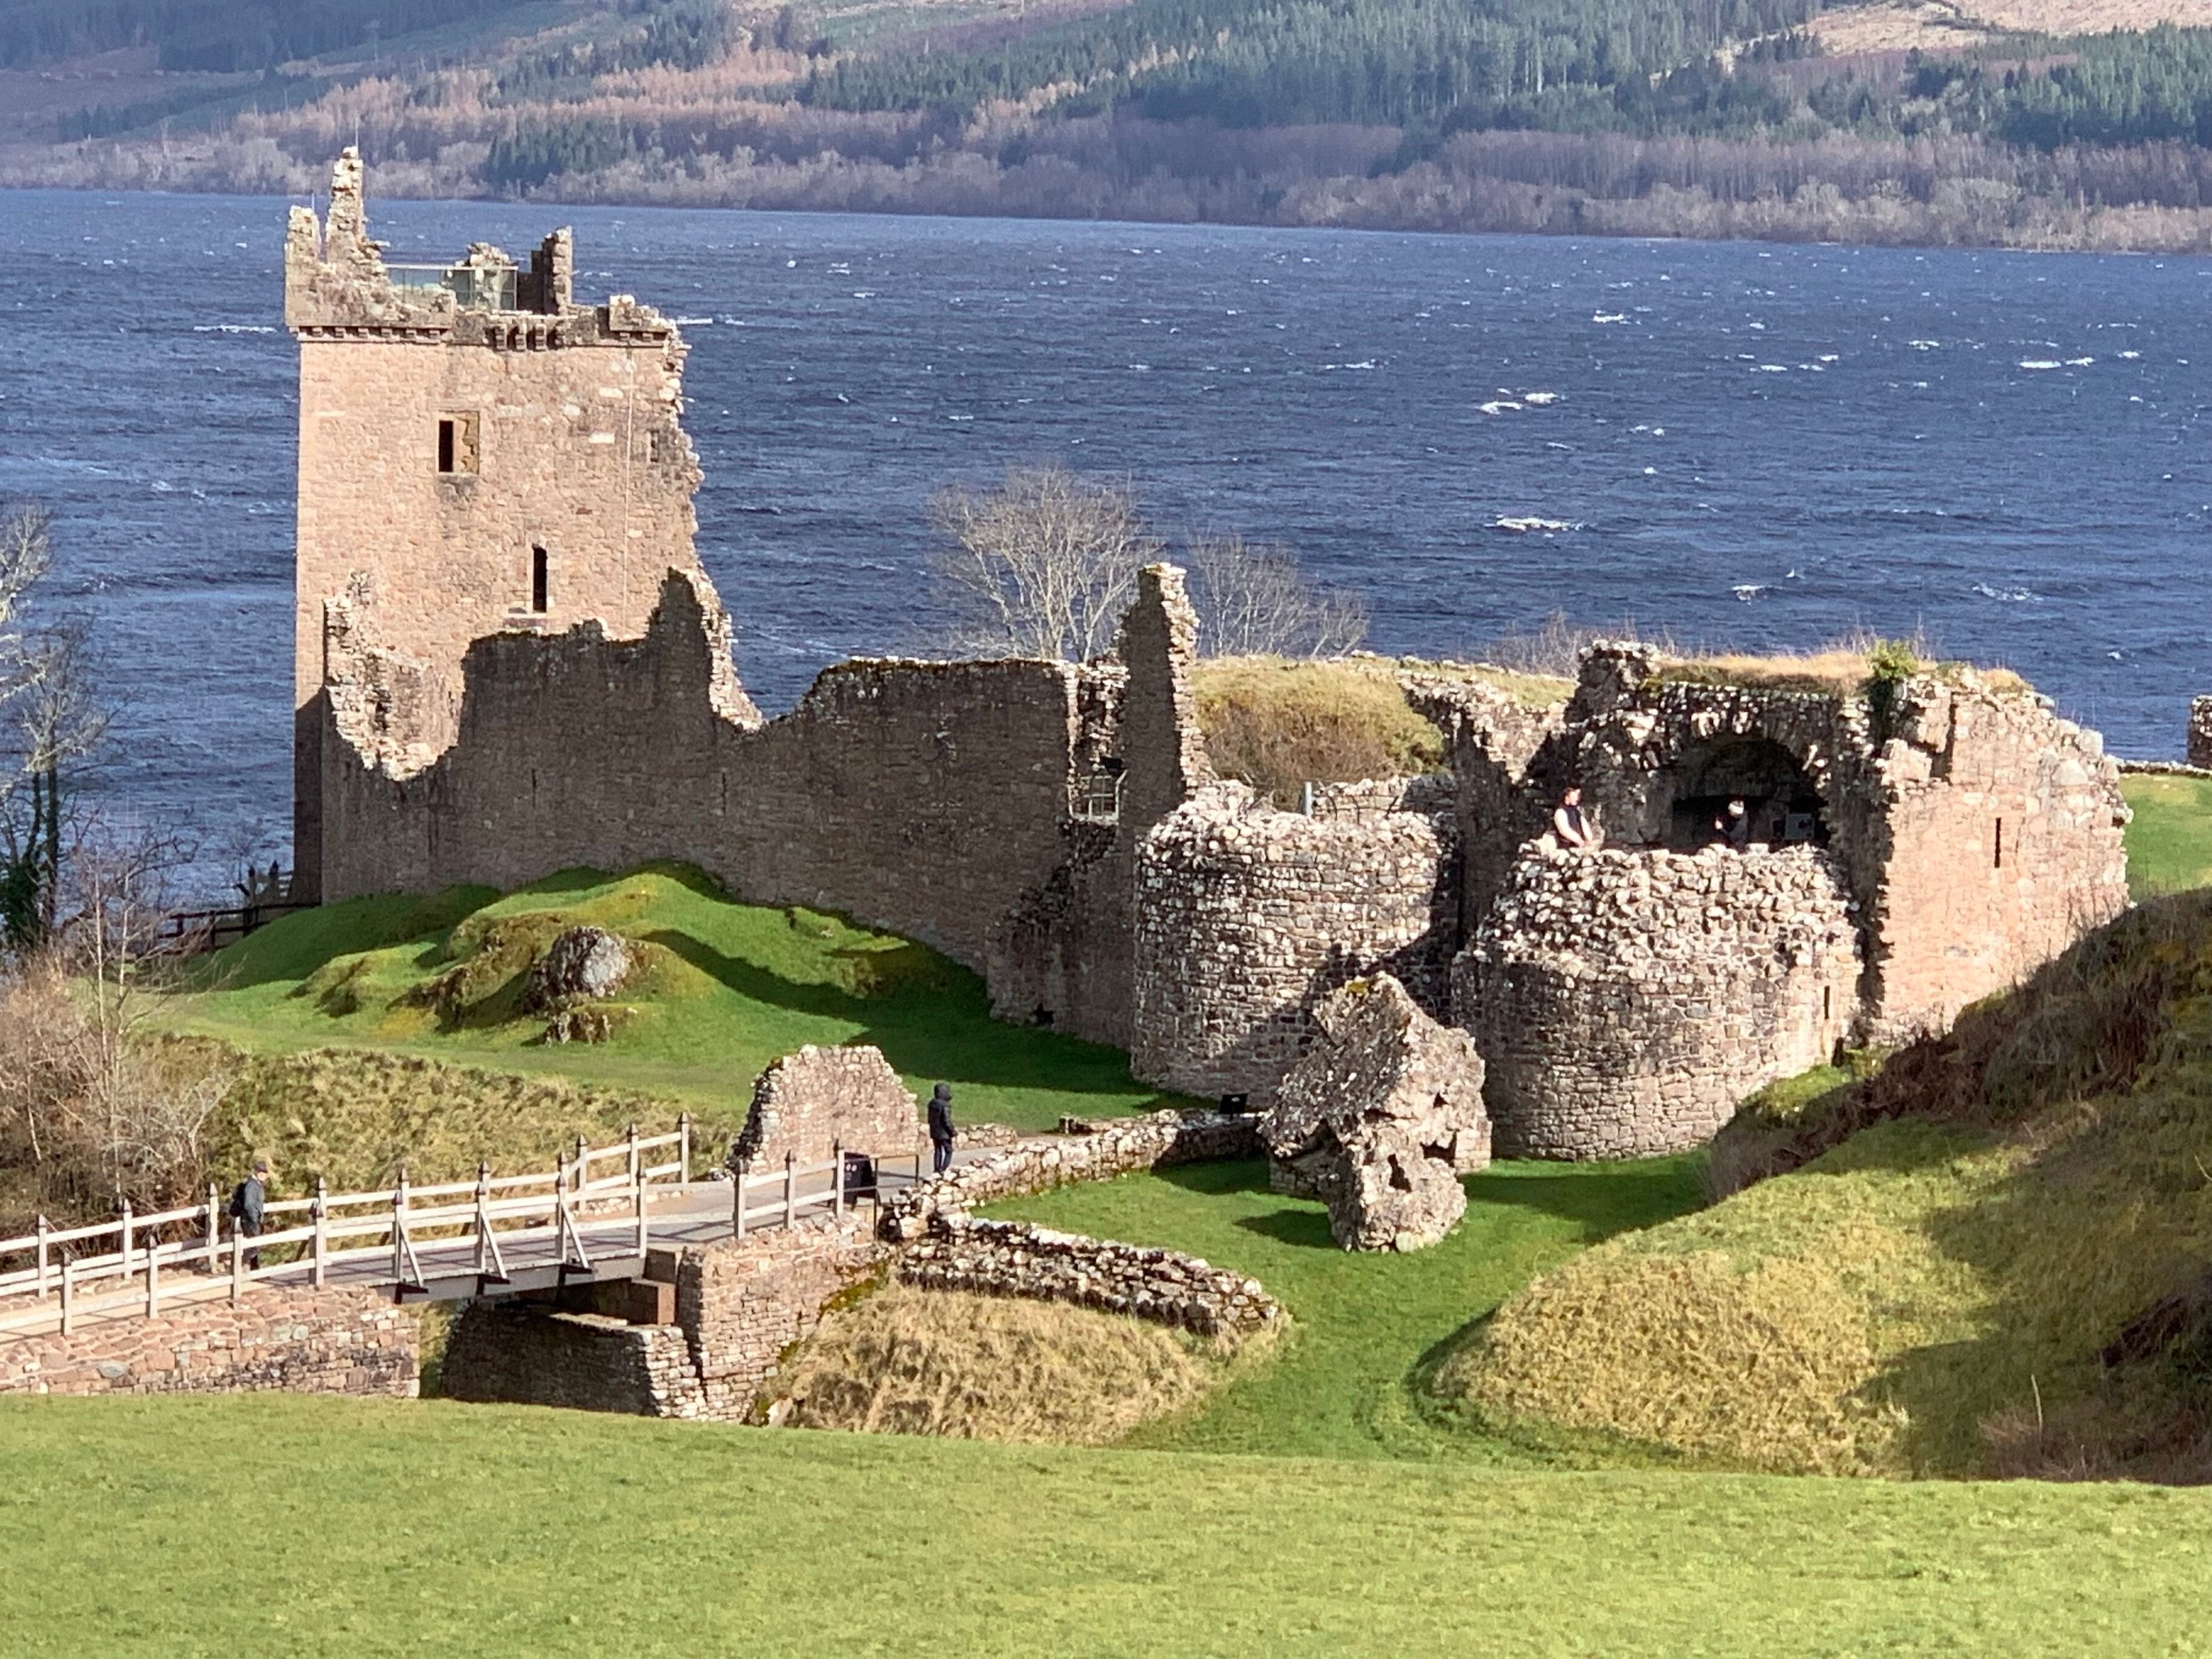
{"points": [[221, 36]]}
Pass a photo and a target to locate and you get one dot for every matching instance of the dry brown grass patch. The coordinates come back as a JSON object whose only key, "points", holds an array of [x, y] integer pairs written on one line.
{"points": [[965, 1367], [1279, 725]]}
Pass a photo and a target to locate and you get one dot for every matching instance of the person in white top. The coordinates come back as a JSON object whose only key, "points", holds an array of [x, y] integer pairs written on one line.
{"points": [[1570, 825]]}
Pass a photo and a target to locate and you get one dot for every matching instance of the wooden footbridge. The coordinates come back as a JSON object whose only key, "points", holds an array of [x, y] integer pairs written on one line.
{"points": [[594, 1216]]}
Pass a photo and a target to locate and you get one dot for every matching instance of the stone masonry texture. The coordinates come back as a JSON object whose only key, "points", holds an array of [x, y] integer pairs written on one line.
{"points": [[509, 662], [1380, 1119], [1624, 1002], [2199, 750], [1017, 1259], [299, 1341], [809, 1102]]}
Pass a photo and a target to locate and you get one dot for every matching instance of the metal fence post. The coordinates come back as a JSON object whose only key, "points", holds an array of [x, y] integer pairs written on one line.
{"points": [[635, 1166], [738, 1206], [790, 1190], [576, 1168], [69, 1293], [837, 1179], [237, 1267], [214, 1227], [637, 1197], [684, 1149], [153, 1280], [322, 1230], [44, 1228], [126, 1238]]}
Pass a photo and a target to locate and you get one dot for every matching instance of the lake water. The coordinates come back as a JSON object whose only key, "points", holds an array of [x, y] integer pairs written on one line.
{"points": [[1757, 447]]}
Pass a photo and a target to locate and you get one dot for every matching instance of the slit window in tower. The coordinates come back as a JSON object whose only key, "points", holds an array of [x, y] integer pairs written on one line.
{"points": [[1997, 863], [456, 444], [540, 582]]}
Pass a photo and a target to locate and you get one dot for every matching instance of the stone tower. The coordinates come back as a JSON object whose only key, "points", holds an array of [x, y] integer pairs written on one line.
{"points": [[478, 453]]}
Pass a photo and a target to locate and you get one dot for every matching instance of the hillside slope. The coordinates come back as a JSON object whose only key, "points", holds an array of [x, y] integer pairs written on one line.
{"points": [[1995, 1255], [2031, 123]]}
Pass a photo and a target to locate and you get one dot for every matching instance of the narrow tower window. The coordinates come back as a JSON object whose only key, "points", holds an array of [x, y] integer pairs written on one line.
{"points": [[1998, 863], [1827, 1003], [456, 444], [539, 583]]}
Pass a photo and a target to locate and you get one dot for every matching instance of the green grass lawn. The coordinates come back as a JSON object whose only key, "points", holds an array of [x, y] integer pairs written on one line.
{"points": [[727, 988], [2170, 842], [1345, 1382], [296, 1527]]}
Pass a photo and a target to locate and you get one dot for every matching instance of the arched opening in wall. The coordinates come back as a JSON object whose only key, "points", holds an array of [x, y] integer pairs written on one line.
{"points": [[541, 576], [1781, 807]]}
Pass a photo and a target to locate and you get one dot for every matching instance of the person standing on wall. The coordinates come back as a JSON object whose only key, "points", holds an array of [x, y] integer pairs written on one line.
{"points": [[1571, 826], [940, 1128], [249, 1201]]}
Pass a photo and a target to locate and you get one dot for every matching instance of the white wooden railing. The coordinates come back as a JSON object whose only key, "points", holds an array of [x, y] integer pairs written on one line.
{"points": [[401, 1236], [589, 1211]]}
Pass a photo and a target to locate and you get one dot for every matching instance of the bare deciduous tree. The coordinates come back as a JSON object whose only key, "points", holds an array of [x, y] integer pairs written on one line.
{"points": [[1253, 600], [49, 721], [1044, 566]]}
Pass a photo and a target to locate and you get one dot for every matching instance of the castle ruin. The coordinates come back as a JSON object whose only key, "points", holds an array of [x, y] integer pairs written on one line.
{"points": [[510, 662]]}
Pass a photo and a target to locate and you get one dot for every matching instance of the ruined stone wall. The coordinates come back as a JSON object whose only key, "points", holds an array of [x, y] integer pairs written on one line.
{"points": [[1116, 1147], [1246, 916], [2002, 844], [519, 1353], [568, 439], [740, 1305], [2198, 750], [926, 798], [1037, 1264], [299, 1342], [810, 1102], [1625, 1003]]}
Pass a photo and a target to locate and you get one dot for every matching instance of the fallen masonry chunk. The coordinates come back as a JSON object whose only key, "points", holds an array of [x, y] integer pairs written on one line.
{"points": [[583, 964], [1380, 1119]]}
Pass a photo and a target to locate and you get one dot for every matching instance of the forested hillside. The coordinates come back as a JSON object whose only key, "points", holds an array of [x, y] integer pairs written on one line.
{"points": [[1698, 117]]}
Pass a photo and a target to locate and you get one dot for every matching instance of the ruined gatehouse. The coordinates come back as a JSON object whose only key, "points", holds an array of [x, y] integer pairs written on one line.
{"points": [[509, 661]]}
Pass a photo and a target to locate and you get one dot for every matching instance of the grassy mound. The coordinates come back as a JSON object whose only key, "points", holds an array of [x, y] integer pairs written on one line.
{"points": [[722, 989], [962, 1367], [1347, 1379], [1988, 1256], [1279, 725]]}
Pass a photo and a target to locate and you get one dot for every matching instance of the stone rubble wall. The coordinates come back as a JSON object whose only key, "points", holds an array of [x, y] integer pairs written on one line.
{"points": [[2199, 747], [525, 1354], [299, 1342], [1625, 1002], [808, 1103], [1246, 916], [1017, 1259], [740, 1306], [1116, 1146]]}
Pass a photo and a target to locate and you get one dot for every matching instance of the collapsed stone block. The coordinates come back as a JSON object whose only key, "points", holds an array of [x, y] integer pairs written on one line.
{"points": [[809, 1102], [583, 964], [1380, 1119]]}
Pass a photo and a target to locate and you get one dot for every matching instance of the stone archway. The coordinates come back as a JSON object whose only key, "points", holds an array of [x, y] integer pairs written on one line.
{"points": [[1783, 804]]}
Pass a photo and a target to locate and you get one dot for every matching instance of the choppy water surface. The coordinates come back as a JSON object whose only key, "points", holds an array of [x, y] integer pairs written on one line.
{"points": [[1758, 447]]}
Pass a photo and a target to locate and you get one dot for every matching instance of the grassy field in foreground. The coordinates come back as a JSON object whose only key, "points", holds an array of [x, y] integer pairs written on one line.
{"points": [[726, 989], [296, 1527], [1343, 1382], [2170, 842]]}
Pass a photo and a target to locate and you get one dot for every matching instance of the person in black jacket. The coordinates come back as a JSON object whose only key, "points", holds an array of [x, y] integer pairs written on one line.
{"points": [[248, 1202], [941, 1126]]}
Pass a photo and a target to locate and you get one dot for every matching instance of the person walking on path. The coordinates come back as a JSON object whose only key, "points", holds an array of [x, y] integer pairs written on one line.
{"points": [[248, 1203], [940, 1128]]}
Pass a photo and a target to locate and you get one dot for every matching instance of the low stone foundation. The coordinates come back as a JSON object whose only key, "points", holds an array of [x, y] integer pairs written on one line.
{"points": [[521, 1353], [305, 1341], [1018, 1258], [740, 1305], [1116, 1147]]}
